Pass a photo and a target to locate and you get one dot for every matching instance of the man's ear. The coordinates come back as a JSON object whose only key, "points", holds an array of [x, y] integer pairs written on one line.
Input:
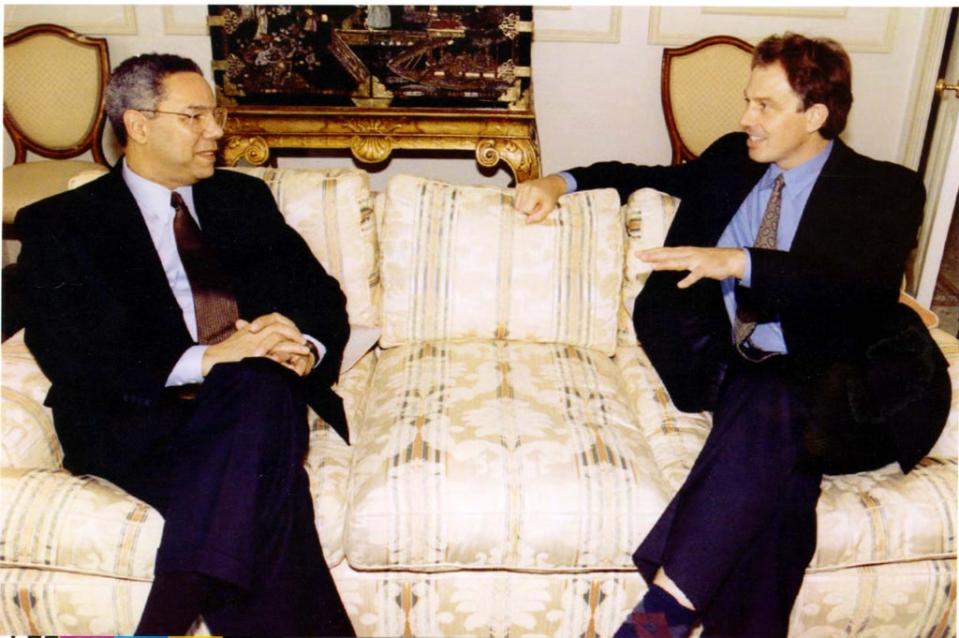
{"points": [[816, 116], [135, 123]]}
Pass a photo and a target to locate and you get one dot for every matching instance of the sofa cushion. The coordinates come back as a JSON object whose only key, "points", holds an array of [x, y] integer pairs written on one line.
{"points": [[52, 520], [460, 263], [499, 454], [647, 215], [29, 438], [864, 519], [884, 516], [332, 209]]}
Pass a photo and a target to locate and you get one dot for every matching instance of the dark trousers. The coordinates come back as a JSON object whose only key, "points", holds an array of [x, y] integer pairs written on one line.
{"points": [[230, 482], [738, 535]]}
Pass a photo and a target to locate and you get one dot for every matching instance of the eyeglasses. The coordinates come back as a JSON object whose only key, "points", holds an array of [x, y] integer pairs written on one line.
{"points": [[197, 121]]}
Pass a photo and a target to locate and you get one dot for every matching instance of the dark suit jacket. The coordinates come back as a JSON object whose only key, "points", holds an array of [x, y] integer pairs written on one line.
{"points": [[106, 329], [835, 291]]}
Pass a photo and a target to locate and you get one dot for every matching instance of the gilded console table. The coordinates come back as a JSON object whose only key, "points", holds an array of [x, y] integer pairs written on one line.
{"points": [[252, 133]]}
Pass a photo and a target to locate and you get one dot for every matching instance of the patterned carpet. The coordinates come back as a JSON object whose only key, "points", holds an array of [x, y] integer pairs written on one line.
{"points": [[945, 300]]}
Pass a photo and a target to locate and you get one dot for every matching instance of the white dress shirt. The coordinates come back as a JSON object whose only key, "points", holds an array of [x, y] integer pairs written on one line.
{"points": [[154, 202]]}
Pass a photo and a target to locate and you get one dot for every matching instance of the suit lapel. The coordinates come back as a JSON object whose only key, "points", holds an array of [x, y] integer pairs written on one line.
{"points": [[816, 222], [128, 261]]}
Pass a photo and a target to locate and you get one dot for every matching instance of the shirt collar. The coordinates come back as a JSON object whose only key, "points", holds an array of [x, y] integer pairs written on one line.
{"points": [[798, 178], [152, 198]]}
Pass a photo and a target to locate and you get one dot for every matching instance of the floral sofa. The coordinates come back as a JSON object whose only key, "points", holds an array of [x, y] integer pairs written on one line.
{"points": [[511, 442]]}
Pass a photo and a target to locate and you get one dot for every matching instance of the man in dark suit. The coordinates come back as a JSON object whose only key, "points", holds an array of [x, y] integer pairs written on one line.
{"points": [[185, 327], [775, 305]]}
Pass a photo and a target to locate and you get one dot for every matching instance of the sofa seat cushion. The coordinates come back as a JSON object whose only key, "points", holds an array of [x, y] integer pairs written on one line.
{"points": [[867, 518], [497, 454], [884, 516], [460, 263]]}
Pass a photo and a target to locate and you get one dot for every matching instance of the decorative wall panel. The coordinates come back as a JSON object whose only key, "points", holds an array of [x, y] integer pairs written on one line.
{"points": [[860, 29]]}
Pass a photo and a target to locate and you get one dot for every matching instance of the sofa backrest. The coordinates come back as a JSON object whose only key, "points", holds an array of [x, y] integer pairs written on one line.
{"points": [[460, 263], [333, 210]]}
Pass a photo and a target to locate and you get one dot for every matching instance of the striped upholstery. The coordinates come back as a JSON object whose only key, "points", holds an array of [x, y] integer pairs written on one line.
{"points": [[488, 454], [332, 209], [47, 523], [460, 263], [495, 487], [864, 519], [29, 439], [647, 214]]}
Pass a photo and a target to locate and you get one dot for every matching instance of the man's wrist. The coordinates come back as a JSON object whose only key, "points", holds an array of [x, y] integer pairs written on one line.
{"points": [[568, 180], [314, 352]]}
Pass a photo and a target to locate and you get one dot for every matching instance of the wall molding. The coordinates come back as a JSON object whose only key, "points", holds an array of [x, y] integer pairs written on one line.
{"points": [[769, 20], [610, 34], [89, 19], [174, 23]]}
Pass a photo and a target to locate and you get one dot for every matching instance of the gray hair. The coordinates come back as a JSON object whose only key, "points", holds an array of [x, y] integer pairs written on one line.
{"points": [[137, 83]]}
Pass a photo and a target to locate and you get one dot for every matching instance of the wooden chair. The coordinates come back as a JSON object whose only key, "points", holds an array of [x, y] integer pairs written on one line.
{"points": [[54, 81], [702, 92]]}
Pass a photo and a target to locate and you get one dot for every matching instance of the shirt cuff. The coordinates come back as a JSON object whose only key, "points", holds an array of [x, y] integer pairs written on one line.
{"points": [[570, 181], [320, 349], [747, 279], [189, 369]]}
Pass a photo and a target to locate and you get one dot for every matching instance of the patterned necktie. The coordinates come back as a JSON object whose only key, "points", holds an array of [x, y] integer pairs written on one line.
{"points": [[765, 238], [213, 299]]}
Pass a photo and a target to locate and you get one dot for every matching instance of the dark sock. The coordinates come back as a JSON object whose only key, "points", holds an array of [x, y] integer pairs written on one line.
{"points": [[658, 600], [174, 602]]}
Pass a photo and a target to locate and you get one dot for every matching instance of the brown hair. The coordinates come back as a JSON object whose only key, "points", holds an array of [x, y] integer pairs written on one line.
{"points": [[818, 70]]}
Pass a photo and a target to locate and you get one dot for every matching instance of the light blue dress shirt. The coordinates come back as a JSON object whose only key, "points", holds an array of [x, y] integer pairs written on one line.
{"points": [[743, 227], [154, 203]]}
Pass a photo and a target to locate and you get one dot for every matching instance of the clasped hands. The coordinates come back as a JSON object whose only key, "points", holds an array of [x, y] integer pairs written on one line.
{"points": [[273, 336], [538, 198]]}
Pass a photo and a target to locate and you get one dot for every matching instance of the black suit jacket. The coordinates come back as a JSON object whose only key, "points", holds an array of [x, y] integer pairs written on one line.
{"points": [[835, 291], [105, 327]]}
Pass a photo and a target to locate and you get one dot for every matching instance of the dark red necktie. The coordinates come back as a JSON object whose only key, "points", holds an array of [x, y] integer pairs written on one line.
{"points": [[213, 299]]}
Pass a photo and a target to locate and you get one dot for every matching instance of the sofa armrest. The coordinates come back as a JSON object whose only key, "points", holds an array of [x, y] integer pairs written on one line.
{"points": [[947, 447], [29, 438], [52, 520]]}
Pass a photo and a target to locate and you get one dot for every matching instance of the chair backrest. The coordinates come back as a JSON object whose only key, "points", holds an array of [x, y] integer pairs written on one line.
{"points": [[54, 81], [702, 92]]}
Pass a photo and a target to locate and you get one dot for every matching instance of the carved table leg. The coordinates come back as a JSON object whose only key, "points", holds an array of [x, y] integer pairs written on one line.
{"points": [[521, 156], [253, 150]]}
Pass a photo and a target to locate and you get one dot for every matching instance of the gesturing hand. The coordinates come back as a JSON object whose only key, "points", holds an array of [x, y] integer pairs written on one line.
{"points": [[273, 336], [712, 263], [537, 198]]}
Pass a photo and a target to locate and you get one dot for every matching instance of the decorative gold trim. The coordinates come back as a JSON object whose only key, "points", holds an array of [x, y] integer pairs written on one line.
{"points": [[371, 135], [610, 34], [253, 150]]}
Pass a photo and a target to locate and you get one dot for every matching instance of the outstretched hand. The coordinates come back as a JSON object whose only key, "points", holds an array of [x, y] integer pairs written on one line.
{"points": [[710, 263], [537, 198]]}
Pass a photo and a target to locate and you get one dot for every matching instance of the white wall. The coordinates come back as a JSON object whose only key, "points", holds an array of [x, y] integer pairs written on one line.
{"points": [[595, 70]]}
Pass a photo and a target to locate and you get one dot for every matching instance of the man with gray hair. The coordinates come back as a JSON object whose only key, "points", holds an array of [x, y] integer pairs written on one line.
{"points": [[185, 328]]}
